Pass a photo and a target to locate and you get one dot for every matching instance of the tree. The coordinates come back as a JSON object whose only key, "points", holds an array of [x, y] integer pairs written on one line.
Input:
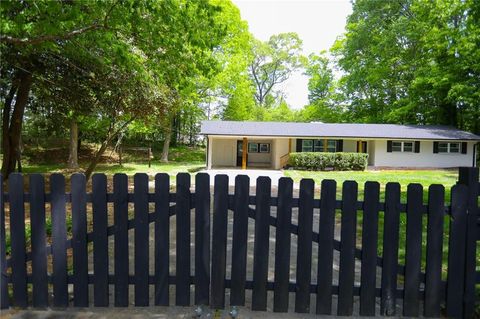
{"points": [[131, 45], [273, 62], [411, 61]]}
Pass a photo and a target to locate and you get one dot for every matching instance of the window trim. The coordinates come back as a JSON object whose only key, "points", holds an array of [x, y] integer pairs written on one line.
{"points": [[251, 144], [449, 147], [260, 148], [402, 147]]}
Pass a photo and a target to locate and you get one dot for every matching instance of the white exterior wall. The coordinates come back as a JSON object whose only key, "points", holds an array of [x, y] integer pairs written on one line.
{"points": [[350, 146], [426, 157], [223, 152], [280, 148]]}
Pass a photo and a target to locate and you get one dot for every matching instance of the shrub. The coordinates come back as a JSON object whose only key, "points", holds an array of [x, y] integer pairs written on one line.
{"points": [[319, 161]]}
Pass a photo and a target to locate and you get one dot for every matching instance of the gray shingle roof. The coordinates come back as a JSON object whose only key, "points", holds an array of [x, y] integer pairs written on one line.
{"points": [[343, 130]]}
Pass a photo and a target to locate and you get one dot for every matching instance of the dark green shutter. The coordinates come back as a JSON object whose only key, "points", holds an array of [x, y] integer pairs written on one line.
{"points": [[417, 146], [339, 145], [435, 147], [464, 147], [299, 145], [389, 146]]}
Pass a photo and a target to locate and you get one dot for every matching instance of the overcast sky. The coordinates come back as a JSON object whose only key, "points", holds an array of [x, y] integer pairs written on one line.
{"points": [[317, 22]]}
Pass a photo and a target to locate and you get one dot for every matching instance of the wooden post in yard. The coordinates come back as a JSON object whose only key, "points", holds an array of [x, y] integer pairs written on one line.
{"points": [[244, 153], [149, 157]]}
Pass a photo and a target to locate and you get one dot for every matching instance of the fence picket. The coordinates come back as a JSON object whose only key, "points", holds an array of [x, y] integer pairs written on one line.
{"points": [[239, 241], [346, 276], [326, 232], [79, 243], [219, 240], [413, 247], [182, 291], [390, 249], [433, 271], [162, 239], [4, 303], [17, 239], [120, 220], [282, 245], [369, 249], [261, 245], [59, 239], [39, 253], [202, 239], [142, 239], [304, 252], [100, 240], [456, 251]]}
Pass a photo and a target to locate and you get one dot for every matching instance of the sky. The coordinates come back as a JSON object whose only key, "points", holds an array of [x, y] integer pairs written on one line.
{"points": [[317, 22]]}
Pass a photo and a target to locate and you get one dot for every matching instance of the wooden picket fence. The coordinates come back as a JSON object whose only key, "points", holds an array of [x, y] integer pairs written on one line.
{"points": [[28, 278]]}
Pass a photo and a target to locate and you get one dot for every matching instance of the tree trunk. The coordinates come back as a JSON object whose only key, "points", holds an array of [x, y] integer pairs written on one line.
{"points": [[7, 108], [73, 147], [96, 159], [166, 146], [12, 141]]}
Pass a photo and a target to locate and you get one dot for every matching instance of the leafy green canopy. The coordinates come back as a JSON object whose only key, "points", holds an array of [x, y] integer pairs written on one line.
{"points": [[412, 61]]}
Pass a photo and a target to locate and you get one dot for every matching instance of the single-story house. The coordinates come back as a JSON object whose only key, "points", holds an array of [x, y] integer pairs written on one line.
{"points": [[268, 144]]}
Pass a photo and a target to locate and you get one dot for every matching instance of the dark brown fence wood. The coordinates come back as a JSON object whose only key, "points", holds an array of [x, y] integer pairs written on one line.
{"points": [[79, 243], [261, 245], [282, 245], [4, 303], [120, 220], [239, 240], [219, 237], [433, 276], [142, 239], [413, 247], [162, 239], [39, 242], [17, 240], [202, 238], [211, 268], [182, 291], [59, 239], [456, 251], [304, 243], [347, 248], [390, 249], [469, 176], [369, 249], [326, 232]]}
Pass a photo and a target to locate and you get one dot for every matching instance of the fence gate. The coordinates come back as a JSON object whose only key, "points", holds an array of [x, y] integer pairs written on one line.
{"points": [[334, 251]]}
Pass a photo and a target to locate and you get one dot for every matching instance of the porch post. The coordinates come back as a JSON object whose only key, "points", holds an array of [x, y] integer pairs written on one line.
{"points": [[244, 153], [289, 145], [209, 152], [360, 146]]}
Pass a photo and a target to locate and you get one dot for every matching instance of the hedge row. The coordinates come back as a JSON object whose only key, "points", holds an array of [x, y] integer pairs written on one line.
{"points": [[319, 161]]}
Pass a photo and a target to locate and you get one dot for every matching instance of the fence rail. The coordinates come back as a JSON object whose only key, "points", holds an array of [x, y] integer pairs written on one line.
{"points": [[30, 277]]}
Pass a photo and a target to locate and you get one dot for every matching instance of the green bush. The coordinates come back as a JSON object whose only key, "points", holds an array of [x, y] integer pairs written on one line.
{"points": [[319, 161]]}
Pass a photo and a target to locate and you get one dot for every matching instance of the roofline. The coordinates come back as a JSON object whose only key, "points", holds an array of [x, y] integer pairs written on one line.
{"points": [[348, 137]]}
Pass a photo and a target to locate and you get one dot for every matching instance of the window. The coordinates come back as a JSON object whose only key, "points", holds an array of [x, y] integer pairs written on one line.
{"points": [[307, 145], [444, 147], [408, 147], [252, 147], [398, 146], [319, 145], [264, 148]]}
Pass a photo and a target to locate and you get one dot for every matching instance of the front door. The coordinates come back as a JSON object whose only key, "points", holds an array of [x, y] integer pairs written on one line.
{"points": [[362, 147], [240, 153]]}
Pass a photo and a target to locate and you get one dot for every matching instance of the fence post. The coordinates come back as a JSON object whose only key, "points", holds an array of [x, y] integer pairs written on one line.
{"points": [[469, 176]]}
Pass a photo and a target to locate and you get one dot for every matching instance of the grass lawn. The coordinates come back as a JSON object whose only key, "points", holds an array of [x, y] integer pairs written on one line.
{"points": [[448, 178]]}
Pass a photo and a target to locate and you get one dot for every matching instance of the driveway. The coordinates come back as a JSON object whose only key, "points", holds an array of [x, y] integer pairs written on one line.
{"points": [[252, 173]]}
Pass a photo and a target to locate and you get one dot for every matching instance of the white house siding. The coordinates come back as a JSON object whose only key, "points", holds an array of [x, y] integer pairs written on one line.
{"points": [[280, 148], [426, 157], [223, 152], [260, 159], [350, 146]]}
